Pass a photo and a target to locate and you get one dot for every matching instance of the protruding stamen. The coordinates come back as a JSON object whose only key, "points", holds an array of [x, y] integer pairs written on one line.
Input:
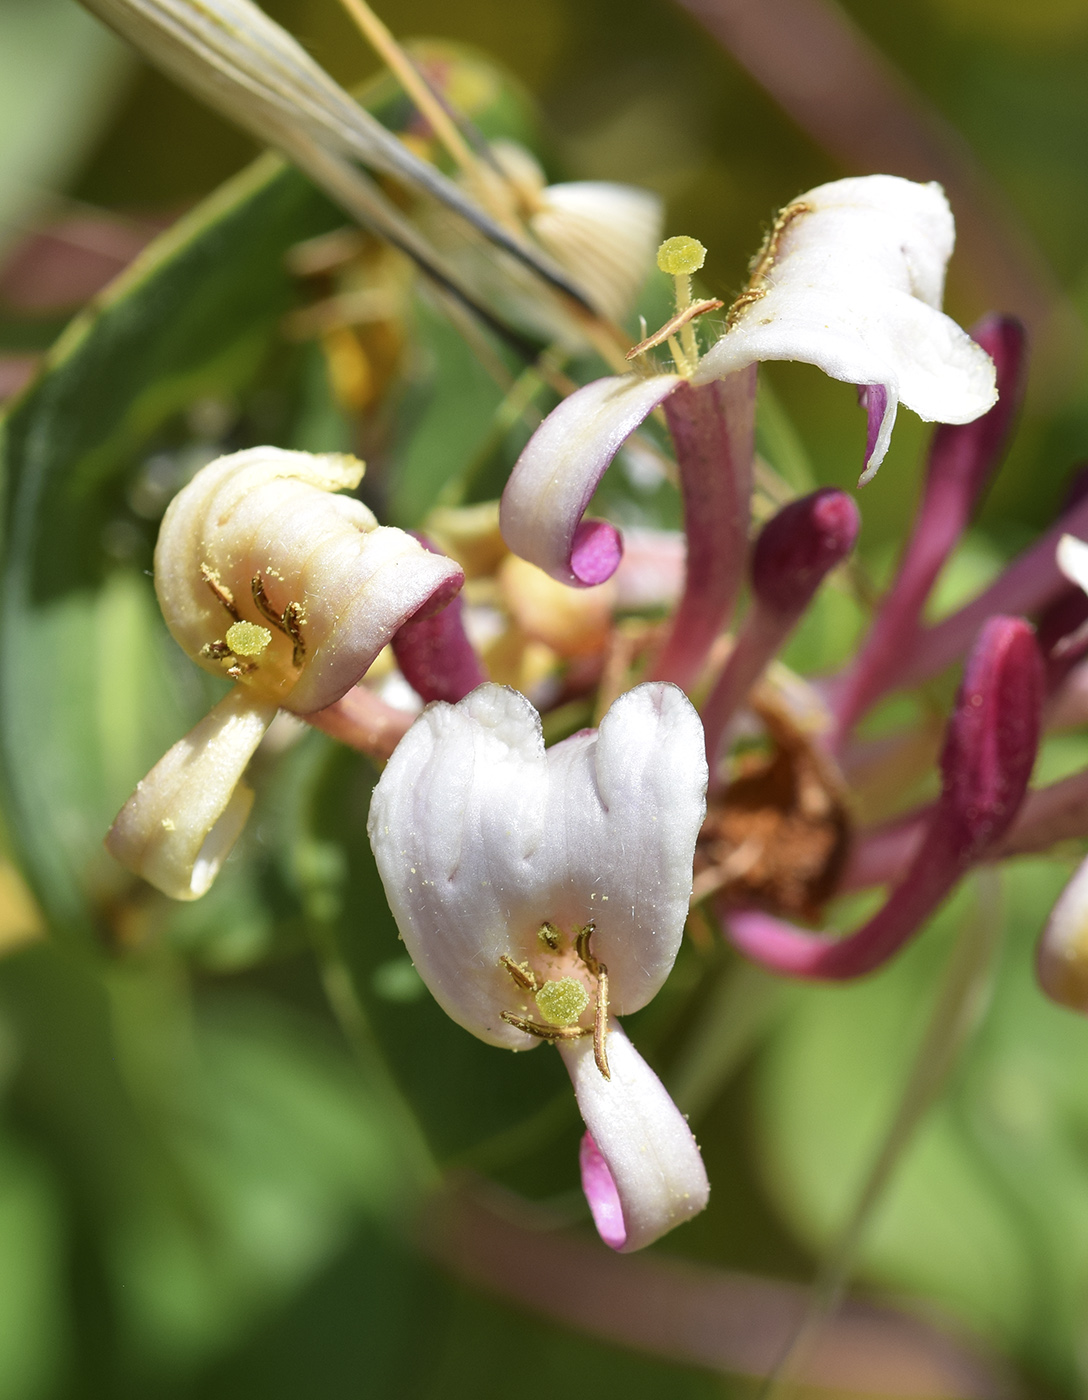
{"points": [[600, 1019], [294, 615], [522, 973], [222, 593], [697, 308], [600, 1022], [544, 1032], [680, 257], [264, 605]]}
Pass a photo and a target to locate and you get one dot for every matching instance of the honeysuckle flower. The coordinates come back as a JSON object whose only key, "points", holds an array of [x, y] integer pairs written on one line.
{"points": [[850, 279], [541, 894], [267, 576]]}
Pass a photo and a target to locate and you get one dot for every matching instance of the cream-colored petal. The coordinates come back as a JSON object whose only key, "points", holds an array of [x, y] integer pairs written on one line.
{"points": [[1063, 950], [179, 825], [275, 515], [605, 234]]}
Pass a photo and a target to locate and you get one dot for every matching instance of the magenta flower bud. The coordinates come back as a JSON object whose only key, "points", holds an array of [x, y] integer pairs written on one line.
{"points": [[433, 652], [989, 749], [988, 756], [795, 551], [802, 543]]}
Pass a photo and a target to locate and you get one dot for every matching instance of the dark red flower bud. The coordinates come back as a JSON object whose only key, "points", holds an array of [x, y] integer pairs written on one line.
{"points": [[800, 545]]}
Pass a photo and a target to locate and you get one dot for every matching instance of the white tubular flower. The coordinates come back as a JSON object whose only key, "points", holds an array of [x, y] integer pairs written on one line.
{"points": [[540, 893], [266, 576], [851, 280]]}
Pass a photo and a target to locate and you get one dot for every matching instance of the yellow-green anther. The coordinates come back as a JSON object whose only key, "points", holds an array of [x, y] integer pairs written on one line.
{"points": [[681, 256], [561, 1003], [247, 638]]}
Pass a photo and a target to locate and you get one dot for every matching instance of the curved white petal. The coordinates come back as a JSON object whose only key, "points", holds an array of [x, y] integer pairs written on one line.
{"points": [[855, 288], [179, 825], [641, 1168], [605, 234], [556, 475], [481, 837]]}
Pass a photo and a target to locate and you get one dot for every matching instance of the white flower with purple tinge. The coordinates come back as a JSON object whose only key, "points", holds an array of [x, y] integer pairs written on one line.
{"points": [[850, 280], [542, 893]]}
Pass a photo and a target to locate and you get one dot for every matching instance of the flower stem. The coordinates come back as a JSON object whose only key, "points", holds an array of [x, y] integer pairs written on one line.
{"points": [[962, 461], [713, 428]]}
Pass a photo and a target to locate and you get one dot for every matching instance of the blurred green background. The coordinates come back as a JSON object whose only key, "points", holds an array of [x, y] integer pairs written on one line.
{"points": [[206, 1188]]}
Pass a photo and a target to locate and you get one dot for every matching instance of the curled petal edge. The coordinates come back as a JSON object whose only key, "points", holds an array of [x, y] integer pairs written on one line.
{"points": [[556, 475], [179, 825], [642, 1171]]}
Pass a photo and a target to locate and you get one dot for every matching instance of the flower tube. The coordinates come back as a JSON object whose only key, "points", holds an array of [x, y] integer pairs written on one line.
{"points": [[541, 894], [269, 578]]}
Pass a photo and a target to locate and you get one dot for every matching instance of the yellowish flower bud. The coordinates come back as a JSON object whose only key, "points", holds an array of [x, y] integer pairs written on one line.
{"points": [[265, 575]]}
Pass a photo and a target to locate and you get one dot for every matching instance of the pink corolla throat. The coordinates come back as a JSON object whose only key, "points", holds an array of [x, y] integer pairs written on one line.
{"points": [[597, 552], [601, 1193]]}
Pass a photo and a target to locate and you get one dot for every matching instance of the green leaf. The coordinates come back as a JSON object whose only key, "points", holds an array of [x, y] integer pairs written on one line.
{"points": [[988, 1211], [34, 1336], [60, 72], [93, 690]]}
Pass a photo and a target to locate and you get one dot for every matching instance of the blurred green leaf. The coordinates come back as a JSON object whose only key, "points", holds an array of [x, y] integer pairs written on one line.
{"points": [[988, 1212], [34, 1331], [60, 74], [93, 689]]}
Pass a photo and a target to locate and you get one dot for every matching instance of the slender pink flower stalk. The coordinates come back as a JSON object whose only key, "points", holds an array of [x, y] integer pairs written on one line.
{"points": [[794, 553], [433, 652], [364, 721], [988, 755], [713, 429], [1032, 582], [962, 461]]}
